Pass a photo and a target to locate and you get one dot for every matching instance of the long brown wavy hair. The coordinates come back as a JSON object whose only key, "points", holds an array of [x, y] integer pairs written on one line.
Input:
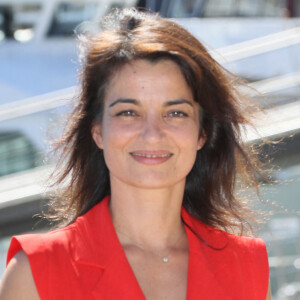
{"points": [[223, 161]]}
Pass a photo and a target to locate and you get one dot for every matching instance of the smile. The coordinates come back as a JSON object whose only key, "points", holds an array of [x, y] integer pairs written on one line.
{"points": [[151, 155], [151, 158]]}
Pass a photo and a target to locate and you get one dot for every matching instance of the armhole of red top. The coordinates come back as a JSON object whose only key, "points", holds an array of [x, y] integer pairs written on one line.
{"points": [[32, 245]]}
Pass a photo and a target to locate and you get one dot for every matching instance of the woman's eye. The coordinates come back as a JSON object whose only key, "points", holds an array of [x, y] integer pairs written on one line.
{"points": [[126, 113], [177, 114]]}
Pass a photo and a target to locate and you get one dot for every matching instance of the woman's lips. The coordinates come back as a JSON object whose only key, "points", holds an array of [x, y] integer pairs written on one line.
{"points": [[151, 157]]}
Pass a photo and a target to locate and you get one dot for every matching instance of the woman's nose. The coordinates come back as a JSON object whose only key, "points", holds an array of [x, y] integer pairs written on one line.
{"points": [[153, 130]]}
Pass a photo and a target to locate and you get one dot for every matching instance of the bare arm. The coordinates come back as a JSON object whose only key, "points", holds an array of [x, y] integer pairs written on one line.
{"points": [[17, 282]]}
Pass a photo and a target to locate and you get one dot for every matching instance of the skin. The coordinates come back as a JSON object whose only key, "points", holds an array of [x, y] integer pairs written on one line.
{"points": [[17, 282], [150, 137]]}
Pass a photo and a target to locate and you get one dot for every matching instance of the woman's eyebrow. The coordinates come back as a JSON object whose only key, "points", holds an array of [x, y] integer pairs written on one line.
{"points": [[136, 102], [179, 101], [126, 100]]}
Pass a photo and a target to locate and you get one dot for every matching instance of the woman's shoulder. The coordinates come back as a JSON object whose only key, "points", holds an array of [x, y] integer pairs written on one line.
{"points": [[30, 260], [251, 250], [242, 244], [37, 243], [244, 256], [225, 254], [247, 252], [52, 256], [221, 239], [244, 241], [58, 241]]}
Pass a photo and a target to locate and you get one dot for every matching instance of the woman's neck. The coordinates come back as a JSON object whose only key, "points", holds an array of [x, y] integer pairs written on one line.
{"points": [[151, 218]]}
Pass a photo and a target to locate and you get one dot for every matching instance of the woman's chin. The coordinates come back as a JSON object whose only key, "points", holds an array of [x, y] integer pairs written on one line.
{"points": [[149, 181]]}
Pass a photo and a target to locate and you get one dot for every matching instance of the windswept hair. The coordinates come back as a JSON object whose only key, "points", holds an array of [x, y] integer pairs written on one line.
{"points": [[210, 186]]}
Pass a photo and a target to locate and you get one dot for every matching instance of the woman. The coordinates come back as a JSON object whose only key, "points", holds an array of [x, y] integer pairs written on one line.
{"points": [[153, 151]]}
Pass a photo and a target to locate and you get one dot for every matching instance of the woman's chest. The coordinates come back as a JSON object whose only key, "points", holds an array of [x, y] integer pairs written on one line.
{"points": [[159, 279]]}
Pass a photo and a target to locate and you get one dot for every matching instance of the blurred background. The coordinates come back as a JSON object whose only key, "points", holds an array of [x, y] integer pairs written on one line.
{"points": [[259, 40]]}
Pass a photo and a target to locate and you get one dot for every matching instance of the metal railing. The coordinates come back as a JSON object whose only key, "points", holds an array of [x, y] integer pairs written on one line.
{"points": [[268, 43]]}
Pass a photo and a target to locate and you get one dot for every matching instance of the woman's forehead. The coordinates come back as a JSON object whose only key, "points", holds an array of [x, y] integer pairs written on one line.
{"points": [[146, 66], [139, 77]]}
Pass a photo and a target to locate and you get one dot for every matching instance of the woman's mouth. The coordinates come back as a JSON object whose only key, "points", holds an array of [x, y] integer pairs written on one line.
{"points": [[151, 157]]}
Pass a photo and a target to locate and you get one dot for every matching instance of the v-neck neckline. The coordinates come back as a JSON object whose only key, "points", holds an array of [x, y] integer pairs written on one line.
{"points": [[125, 259]]}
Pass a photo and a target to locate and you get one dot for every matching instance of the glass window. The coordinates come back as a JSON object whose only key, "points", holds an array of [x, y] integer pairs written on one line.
{"points": [[16, 153], [68, 15], [219, 8], [179, 8], [18, 21], [244, 8]]}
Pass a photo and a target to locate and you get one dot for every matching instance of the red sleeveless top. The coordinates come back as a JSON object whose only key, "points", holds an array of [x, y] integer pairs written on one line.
{"points": [[85, 260]]}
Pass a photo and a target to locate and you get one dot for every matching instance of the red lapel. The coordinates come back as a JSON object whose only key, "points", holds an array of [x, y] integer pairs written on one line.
{"points": [[99, 253]]}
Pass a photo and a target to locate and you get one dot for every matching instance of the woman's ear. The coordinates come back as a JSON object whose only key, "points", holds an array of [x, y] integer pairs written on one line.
{"points": [[97, 135], [201, 140]]}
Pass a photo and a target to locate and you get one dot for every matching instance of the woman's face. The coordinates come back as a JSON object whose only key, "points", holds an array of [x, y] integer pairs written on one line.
{"points": [[150, 127]]}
